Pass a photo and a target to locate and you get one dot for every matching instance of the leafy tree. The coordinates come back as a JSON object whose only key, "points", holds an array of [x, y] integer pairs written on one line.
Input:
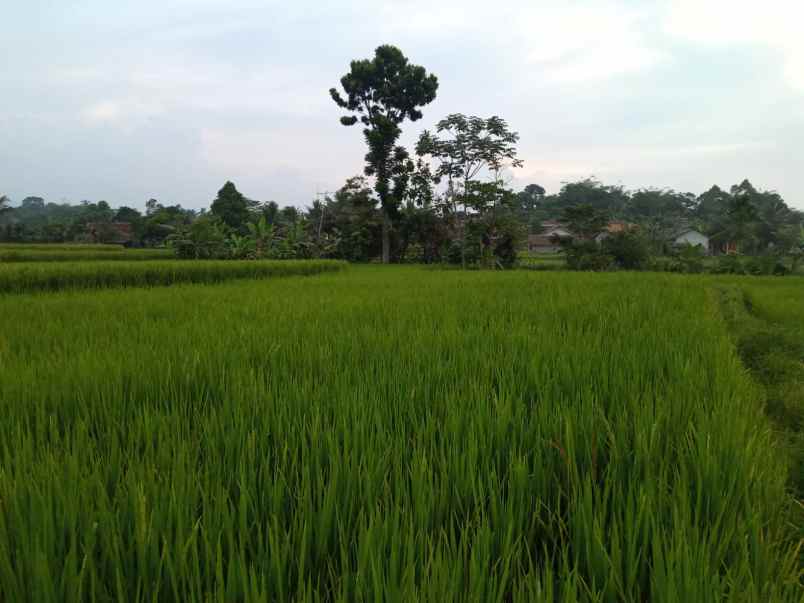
{"points": [[231, 207], [690, 258], [151, 206], [463, 148], [263, 234], [352, 218], [531, 196], [585, 221], [33, 203], [203, 239], [585, 254], [712, 205], [241, 247], [606, 198], [381, 93], [5, 204], [127, 214], [741, 219], [289, 215], [628, 249], [660, 213], [270, 211]]}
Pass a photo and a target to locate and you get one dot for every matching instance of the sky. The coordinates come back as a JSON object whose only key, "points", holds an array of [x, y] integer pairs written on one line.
{"points": [[125, 101]]}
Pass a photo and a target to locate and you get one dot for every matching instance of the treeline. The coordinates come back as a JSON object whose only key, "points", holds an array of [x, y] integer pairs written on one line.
{"points": [[38, 221], [754, 221], [429, 226]]}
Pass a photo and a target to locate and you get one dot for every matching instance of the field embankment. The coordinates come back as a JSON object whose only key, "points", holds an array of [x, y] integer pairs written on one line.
{"points": [[55, 276], [387, 434], [767, 319]]}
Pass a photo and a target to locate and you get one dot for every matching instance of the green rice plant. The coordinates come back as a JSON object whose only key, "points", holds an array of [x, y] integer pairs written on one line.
{"points": [[28, 277], [71, 253], [388, 434], [66, 247]]}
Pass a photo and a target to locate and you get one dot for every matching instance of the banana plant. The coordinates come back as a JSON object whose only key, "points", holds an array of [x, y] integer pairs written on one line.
{"points": [[263, 234]]}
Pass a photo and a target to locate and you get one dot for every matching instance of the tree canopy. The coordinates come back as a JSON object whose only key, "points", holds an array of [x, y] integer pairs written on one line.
{"points": [[231, 207], [381, 93]]}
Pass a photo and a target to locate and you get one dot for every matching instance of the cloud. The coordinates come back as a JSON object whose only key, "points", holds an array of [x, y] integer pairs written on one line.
{"points": [[102, 112], [775, 24], [568, 42], [128, 113], [577, 43]]}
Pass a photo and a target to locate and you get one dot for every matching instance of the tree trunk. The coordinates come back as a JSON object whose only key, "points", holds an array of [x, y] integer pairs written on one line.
{"points": [[386, 237]]}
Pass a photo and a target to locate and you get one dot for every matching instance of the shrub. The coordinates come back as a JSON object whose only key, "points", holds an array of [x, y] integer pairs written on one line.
{"points": [[586, 255], [628, 250], [729, 264]]}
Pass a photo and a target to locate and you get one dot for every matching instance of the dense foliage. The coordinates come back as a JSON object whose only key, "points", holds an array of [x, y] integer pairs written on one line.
{"points": [[381, 93], [354, 437], [477, 222]]}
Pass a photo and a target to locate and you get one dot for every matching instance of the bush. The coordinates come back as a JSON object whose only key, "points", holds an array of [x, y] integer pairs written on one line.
{"points": [[690, 259], [728, 264], [204, 239], [629, 250], [586, 255]]}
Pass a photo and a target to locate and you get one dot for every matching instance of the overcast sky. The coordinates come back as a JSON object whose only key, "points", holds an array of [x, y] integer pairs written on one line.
{"points": [[123, 101]]}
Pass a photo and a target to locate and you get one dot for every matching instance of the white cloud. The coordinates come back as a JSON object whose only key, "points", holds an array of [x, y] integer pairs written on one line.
{"points": [[127, 113], [567, 41], [775, 24], [579, 43], [102, 112]]}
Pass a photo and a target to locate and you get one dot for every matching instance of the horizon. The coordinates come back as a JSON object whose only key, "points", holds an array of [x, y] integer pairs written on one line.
{"points": [[147, 101]]}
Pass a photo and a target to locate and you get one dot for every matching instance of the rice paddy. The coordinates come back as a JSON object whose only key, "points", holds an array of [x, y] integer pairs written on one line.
{"points": [[11, 252], [386, 434], [54, 276]]}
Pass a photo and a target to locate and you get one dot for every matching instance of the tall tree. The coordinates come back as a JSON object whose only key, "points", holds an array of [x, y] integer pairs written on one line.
{"points": [[231, 207], [464, 147], [609, 198], [741, 219], [381, 93], [5, 203]]}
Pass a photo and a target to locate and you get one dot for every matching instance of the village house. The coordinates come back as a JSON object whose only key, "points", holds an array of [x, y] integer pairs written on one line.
{"points": [[119, 233], [690, 236], [613, 228], [547, 241]]}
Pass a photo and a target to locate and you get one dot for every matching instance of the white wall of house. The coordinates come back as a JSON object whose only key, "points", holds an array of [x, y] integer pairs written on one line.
{"points": [[693, 237]]}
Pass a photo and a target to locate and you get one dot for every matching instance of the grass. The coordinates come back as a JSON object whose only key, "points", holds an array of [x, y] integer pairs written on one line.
{"points": [[389, 435], [767, 318], [29, 277], [66, 247], [14, 252], [542, 261]]}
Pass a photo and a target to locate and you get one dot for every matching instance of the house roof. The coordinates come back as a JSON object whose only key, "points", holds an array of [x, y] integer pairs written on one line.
{"points": [[681, 232], [541, 240]]}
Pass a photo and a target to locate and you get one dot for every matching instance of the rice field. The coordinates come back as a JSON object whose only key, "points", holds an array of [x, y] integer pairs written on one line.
{"points": [[13, 252], [388, 434], [55, 276]]}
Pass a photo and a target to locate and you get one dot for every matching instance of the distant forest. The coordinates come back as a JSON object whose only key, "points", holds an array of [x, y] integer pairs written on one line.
{"points": [[348, 223]]}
